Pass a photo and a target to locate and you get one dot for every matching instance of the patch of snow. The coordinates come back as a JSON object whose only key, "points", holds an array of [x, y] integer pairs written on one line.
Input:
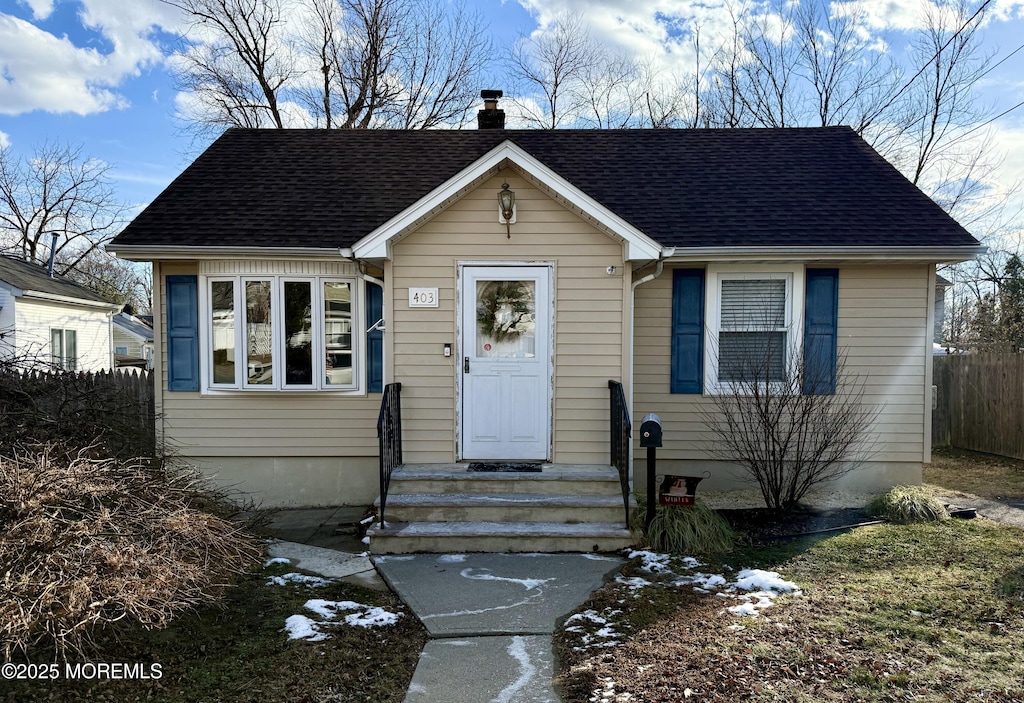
{"points": [[604, 636], [527, 671], [367, 520], [651, 561], [528, 584], [633, 582], [299, 627], [451, 559], [303, 627], [365, 540], [756, 579], [365, 615], [303, 579], [276, 560]]}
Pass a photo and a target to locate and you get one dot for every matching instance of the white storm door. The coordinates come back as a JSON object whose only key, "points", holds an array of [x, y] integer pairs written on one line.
{"points": [[506, 362]]}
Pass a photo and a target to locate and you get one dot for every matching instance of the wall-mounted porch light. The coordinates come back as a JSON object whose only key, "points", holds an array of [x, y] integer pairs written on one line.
{"points": [[506, 203]]}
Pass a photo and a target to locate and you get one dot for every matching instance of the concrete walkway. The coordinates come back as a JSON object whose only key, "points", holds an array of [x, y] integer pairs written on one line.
{"points": [[490, 618], [1010, 513]]}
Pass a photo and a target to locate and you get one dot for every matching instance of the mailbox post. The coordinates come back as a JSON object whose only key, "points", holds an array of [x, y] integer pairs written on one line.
{"points": [[650, 437]]}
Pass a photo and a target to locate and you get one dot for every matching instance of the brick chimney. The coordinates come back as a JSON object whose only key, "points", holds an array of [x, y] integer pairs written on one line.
{"points": [[490, 117]]}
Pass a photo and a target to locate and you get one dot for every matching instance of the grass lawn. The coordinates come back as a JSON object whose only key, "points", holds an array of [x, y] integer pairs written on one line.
{"points": [[985, 475], [240, 653], [927, 612]]}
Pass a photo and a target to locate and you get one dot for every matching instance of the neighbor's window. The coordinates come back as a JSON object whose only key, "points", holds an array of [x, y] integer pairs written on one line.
{"points": [[277, 333], [64, 349], [751, 327]]}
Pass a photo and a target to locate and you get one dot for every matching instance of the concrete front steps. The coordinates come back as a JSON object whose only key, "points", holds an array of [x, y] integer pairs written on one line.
{"points": [[445, 508]]}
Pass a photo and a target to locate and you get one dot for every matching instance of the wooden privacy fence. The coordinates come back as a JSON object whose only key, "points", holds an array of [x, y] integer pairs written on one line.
{"points": [[980, 403], [112, 407]]}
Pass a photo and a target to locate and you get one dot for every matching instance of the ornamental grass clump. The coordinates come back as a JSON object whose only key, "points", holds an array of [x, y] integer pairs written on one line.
{"points": [[695, 529], [88, 543], [906, 504]]}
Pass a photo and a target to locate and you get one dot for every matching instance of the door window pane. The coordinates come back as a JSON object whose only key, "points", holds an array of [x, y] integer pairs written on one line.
{"points": [[298, 333], [338, 333], [506, 313], [222, 299], [259, 333]]}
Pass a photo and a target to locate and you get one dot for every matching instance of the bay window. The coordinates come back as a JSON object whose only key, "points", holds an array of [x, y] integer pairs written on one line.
{"points": [[279, 333]]}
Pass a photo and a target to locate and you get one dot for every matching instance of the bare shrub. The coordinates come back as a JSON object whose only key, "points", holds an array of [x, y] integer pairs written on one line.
{"points": [[89, 543], [110, 410], [789, 425]]}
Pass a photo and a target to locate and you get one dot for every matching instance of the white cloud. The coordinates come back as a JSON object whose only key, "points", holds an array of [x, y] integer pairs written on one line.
{"points": [[41, 9], [50, 73], [5, 140]]}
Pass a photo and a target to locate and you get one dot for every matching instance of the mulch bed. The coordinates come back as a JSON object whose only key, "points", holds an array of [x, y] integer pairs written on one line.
{"points": [[763, 525]]}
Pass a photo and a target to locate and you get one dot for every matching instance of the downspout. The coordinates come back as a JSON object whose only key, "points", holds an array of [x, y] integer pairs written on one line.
{"points": [[666, 252]]}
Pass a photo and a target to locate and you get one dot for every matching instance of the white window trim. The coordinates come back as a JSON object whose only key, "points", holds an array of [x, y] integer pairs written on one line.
{"points": [[64, 357], [793, 274], [207, 387]]}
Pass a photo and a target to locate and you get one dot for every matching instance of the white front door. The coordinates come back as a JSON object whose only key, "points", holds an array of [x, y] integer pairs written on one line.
{"points": [[506, 362]]}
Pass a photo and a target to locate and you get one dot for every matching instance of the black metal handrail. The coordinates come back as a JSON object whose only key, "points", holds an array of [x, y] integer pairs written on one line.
{"points": [[389, 434], [621, 428]]}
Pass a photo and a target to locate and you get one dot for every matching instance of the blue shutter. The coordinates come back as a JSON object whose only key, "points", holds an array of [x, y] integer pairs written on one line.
{"points": [[688, 331], [182, 333], [821, 318], [374, 339]]}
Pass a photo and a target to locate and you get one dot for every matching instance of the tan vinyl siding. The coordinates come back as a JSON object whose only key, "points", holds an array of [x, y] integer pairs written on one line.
{"points": [[261, 423], [882, 330], [588, 327]]}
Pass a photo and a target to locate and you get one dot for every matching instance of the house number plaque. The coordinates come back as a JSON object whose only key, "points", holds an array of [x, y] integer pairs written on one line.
{"points": [[423, 297]]}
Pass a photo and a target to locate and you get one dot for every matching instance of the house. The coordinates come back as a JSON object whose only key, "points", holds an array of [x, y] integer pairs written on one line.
{"points": [[297, 272], [47, 320], [132, 340]]}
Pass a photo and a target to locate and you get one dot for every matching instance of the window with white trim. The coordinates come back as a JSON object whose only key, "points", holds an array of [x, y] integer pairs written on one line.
{"points": [[64, 349], [266, 332], [753, 317]]}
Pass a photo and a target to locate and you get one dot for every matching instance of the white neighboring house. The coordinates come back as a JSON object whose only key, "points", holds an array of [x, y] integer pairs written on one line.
{"points": [[53, 320], [133, 341]]}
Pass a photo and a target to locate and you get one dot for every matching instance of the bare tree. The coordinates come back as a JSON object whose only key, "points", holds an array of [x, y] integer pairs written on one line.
{"points": [[331, 63], [552, 64], [116, 280], [57, 199], [235, 69], [781, 424]]}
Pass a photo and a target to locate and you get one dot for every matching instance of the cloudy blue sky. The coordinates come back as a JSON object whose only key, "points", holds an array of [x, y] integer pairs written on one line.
{"points": [[94, 72]]}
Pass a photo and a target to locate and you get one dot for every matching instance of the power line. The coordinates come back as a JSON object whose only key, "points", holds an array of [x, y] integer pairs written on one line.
{"points": [[987, 122], [925, 65]]}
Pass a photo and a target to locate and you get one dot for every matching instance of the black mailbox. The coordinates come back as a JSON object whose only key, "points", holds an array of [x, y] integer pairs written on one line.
{"points": [[650, 431]]}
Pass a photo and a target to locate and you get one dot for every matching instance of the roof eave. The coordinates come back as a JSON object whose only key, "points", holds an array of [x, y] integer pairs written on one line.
{"points": [[162, 252], [874, 254], [377, 244], [70, 300]]}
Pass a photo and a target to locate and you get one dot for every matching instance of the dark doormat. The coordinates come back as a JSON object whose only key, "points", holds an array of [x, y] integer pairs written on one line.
{"points": [[512, 467]]}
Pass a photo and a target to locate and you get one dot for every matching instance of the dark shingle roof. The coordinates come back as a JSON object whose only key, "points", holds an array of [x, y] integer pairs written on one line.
{"points": [[33, 277], [683, 188]]}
